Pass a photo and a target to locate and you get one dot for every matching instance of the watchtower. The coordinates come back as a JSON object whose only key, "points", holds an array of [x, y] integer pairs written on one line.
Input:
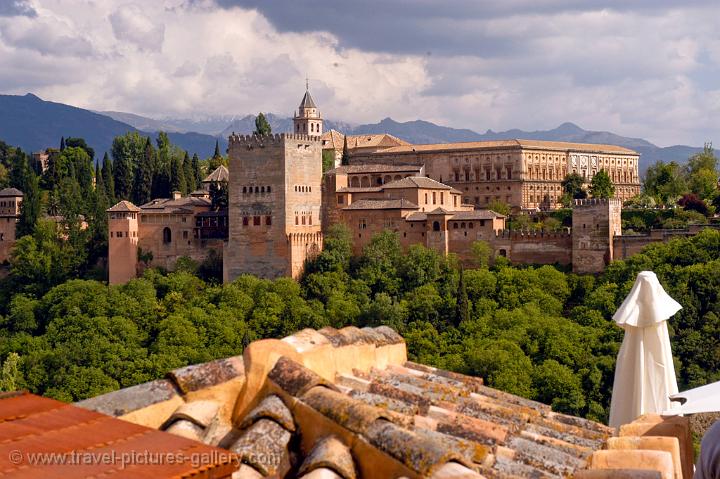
{"points": [[122, 242], [594, 224], [274, 205]]}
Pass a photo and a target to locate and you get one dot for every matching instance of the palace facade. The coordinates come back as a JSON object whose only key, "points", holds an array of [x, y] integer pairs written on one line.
{"points": [[280, 202]]}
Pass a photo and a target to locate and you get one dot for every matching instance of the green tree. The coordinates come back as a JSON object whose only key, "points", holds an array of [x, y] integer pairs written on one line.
{"points": [[345, 160], [30, 208], [197, 172], [19, 170], [573, 185], [462, 309], [80, 143], [108, 179], [189, 175], [10, 376], [500, 207], [142, 187], [262, 127], [482, 253], [219, 195], [127, 151], [177, 175], [665, 182], [601, 185]]}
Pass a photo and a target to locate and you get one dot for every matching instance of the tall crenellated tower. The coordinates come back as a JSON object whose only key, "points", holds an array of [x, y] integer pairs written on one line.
{"points": [[273, 205], [308, 121], [122, 242]]}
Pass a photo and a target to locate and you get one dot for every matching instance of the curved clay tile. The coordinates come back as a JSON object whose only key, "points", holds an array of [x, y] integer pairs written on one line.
{"points": [[272, 407], [330, 453]]}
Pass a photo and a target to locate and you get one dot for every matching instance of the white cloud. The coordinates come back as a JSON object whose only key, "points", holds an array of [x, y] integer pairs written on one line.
{"points": [[648, 72]]}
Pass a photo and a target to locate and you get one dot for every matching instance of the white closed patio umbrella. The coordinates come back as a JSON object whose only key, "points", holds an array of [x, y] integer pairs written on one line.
{"points": [[644, 372]]}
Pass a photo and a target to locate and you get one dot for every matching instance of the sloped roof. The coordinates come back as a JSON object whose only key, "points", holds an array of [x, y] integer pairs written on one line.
{"points": [[476, 215], [401, 204], [417, 182], [220, 173], [184, 204], [307, 101], [348, 404], [359, 189], [10, 192], [377, 168], [334, 139], [34, 425], [124, 206], [385, 140], [499, 144]]}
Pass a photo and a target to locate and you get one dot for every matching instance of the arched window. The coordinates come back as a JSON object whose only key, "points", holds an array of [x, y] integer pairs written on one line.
{"points": [[262, 189], [462, 225], [502, 252], [471, 225], [268, 189], [455, 226], [436, 226], [167, 235]]}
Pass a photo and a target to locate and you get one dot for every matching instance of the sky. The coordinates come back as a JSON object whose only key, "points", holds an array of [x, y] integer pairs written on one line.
{"points": [[641, 68]]}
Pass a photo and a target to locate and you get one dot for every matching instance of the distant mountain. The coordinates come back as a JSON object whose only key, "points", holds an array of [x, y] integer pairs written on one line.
{"points": [[208, 125], [34, 124]]}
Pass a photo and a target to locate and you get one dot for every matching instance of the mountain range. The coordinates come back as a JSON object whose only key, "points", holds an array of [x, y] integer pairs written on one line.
{"points": [[35, 124]]}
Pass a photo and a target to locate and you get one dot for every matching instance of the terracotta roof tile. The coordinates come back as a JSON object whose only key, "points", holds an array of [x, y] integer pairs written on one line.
{"points": [[12, 192], [35, 425], [201, 376], [416, 182], [401, 204], [220, 173], [294, 378], [272, 407], [264, 446], [330, 453], [123, 401], [124, 206]]}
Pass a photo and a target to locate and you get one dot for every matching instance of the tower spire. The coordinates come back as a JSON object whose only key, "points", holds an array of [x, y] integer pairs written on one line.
{"points": [[307, 83]]}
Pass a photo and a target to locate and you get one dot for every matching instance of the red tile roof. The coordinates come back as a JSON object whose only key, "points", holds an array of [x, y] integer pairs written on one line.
{"points": [[41, 438]]}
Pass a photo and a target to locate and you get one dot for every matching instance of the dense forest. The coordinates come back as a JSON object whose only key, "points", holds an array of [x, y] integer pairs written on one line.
{"points": [[535, 331]]}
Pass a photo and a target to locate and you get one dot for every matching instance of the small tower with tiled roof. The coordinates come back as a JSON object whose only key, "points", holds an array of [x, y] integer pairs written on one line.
{"points": [[308, 121], [122, 242], [10, 203]]}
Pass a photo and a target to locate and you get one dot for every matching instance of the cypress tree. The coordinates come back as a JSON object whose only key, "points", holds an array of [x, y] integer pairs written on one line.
{"points": [[177, 175], [196, 171], [142, 188], [107, 175], [99, 183], [19, 170], [462, 308], [262, 127], [62, 143], [217, 150], [345, 160], [30, 209], [189, 174]]}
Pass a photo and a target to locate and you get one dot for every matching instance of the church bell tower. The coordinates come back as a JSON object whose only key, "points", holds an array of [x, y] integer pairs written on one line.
{"points": [[308, 121]]}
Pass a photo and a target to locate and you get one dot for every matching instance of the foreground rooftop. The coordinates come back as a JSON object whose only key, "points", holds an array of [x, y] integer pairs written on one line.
{"points": [[348, 404]]}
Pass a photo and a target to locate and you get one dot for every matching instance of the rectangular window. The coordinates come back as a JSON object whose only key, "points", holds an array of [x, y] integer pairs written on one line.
{"points": [[256, 221], [426, 198], [268, 220], [111, 234], [455, 200], [297, 221], [185, 234], [303, 220], [340, 200], [433, 193], [442, 198], [310, 219], [245, 220], [362, 224]]}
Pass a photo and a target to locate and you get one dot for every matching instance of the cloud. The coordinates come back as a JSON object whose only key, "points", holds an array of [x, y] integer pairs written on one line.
{"points": [[12, 8], [645, 68], [130, 24]]}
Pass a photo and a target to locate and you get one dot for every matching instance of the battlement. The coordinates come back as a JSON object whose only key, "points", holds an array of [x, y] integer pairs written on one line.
{"points": [[588, 202], [303, 238], [274, 139], [526, 235]]}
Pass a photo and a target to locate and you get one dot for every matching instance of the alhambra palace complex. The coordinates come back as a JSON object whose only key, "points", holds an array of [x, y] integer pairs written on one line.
{"points": [[280, 202]]}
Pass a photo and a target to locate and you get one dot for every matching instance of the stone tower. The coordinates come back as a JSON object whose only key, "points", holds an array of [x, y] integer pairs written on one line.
{"points": [[274, 204], [308, 121], [594, 224], [122, 242]]}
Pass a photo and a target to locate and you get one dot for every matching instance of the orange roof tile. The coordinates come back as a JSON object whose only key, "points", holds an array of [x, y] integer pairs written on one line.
{"points": [[41, 437]]}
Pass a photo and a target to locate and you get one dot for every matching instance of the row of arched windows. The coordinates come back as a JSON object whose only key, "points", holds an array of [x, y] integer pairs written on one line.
{"points": [[303, 219], [256, 189], [303, 188]]}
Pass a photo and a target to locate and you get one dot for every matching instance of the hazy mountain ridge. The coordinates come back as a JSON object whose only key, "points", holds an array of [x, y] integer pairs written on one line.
{"points": [[35, 124]]}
